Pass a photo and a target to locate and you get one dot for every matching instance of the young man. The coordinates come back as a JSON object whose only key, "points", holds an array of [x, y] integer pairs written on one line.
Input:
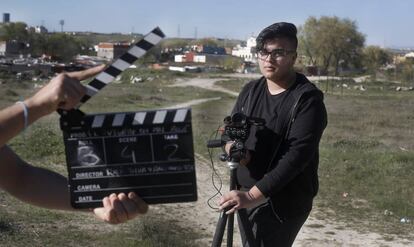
{"points": [[42, 187], [278, 179]]}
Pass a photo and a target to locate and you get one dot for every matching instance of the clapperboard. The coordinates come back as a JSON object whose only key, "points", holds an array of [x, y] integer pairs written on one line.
{"points": [[148, 152]]}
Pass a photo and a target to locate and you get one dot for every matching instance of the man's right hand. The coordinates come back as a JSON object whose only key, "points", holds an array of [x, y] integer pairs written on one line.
{"points": [[244, 161], [63, 92]]}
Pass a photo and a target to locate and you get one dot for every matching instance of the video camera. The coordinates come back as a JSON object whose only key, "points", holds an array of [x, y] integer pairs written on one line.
{"points": [[236, 129]]}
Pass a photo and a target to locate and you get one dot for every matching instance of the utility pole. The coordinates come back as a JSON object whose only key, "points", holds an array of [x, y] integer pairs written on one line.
{"points": [[178, 31]]}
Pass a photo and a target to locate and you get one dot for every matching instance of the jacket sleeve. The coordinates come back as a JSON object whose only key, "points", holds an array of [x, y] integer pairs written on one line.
{"points": [[299, 148], [238, 107]]}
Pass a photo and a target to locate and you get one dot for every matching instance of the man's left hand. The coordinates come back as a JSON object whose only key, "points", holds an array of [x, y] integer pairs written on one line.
{"points": [[237, 199]]}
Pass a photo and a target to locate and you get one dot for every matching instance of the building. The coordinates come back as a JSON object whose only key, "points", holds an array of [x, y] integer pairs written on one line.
{"points": [[112, 50], [12, 48], [206, 49], [6, 17], [40, 29], [247, 52]]}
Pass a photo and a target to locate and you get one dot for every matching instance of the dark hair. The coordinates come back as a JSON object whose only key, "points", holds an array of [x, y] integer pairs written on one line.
{"points": [[277, 30]]}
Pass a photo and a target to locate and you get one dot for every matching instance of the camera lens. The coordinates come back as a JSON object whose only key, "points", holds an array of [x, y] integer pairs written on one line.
{"points": [[238, 119]]}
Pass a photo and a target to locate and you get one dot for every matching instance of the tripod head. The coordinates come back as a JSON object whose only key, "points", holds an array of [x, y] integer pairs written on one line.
{"points": [[236, 130]]}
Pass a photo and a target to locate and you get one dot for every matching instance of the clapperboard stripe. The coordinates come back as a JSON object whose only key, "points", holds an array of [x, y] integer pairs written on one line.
{"points": [[98, 121], [97, 84], [159, 117], [139, 118], [180, 115], [118, 120], [122, 63], [113, 71], [105, 77], [91, 91]]}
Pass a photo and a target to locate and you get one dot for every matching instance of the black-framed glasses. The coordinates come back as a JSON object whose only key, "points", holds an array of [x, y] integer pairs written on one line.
{"points": [[264, 54]]}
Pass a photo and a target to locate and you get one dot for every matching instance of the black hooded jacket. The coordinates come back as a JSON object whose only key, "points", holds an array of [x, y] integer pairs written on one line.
{"points": [[285, 153]]}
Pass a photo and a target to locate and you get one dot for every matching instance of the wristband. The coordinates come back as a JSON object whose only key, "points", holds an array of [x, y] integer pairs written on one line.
{"points": [[25, 113]]}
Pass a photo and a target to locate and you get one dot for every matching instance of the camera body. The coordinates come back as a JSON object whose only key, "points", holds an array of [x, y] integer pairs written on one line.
{"points": [[236, 127], [237, 130]]}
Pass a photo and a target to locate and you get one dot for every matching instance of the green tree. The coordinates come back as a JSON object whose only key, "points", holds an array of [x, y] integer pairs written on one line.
{"points": [[374, 58], [15, 31], [62, 47], [207, 42], [331, 43], [231, 63]]}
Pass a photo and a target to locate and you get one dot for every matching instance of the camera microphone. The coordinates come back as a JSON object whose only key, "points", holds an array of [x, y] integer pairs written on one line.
{"points": [[215, 143]]}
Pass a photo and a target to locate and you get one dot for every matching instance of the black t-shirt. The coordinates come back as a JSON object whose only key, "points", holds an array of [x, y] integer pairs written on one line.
{"points": [[262, 139]]}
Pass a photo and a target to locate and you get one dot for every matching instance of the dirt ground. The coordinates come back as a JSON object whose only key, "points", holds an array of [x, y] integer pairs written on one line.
{"points": [[315, 232], [199, 215]]}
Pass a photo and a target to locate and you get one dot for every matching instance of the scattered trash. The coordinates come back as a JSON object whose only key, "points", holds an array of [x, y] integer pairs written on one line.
{"points": [[404, 89], [345, 194], [360, 87], [405, 220], [388, 212], [136, 79]]}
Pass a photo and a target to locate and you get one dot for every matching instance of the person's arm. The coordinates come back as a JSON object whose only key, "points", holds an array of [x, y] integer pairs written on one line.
{"points": [[48, 189], [40, 186], [63, 91], [31, 184]]}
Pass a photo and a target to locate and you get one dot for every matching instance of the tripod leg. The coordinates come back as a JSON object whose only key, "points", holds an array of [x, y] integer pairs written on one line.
{"points": [[245, 227], [230, 228], [219, 233]]}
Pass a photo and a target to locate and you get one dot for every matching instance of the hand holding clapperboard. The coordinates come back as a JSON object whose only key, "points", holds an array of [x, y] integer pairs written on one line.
{"points": [[148, 152]]}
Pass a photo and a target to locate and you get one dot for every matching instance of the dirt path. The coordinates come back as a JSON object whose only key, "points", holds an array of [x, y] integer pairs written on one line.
{"points": [[206, 83], [315, 232]]}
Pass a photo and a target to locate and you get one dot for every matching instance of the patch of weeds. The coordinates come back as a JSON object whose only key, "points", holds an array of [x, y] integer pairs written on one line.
{"points": [[356, 144]]}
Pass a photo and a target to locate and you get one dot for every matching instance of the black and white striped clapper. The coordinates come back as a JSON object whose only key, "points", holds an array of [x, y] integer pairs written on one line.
{"points": [[123, 62], [148, 152]]}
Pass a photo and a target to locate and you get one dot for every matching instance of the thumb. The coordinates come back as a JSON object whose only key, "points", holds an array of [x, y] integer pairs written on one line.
{"points": [[100, 213], [85, 74]]}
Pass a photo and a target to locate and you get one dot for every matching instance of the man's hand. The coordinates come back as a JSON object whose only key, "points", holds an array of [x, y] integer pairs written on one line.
{"points": [[244, 161], [121, 208], [240, 199], [63, 92]]}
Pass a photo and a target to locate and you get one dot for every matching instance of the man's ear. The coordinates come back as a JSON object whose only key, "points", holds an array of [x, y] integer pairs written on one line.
{"points": [[294, 57]]}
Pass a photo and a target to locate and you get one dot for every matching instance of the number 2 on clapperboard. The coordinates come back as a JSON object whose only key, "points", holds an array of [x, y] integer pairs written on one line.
{"points": [[174, 148]]}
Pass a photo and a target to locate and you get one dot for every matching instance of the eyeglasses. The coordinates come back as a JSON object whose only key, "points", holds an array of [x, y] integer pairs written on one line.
{"points": [[264, 54]]}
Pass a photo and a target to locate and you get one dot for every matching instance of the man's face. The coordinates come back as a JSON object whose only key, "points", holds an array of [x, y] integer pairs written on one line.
{"points": [[277, 58]]}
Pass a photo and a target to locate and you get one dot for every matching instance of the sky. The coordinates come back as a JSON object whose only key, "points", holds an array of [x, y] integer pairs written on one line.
{"points": [[384, 23]]}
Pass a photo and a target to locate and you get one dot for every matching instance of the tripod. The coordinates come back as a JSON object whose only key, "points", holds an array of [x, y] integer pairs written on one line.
{"points": [[244, 224]]}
